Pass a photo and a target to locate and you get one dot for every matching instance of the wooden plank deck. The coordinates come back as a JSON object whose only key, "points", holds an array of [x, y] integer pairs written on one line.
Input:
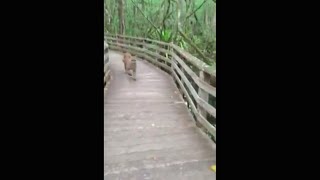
{"points": [[148, 130]]}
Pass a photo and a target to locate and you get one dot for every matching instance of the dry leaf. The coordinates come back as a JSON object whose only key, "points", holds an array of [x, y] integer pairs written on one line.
{"points": [[213, 168]]}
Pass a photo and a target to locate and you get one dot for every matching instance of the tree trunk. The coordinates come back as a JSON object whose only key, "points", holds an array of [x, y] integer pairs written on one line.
{"points": [[178, 20], [134, 27], [214, 22], [205, 17], [143, 5], [107, 18], [121, 17]]}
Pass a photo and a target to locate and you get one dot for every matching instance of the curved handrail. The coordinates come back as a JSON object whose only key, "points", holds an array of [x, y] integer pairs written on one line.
{"points": [[194, 78], [193, 60]]}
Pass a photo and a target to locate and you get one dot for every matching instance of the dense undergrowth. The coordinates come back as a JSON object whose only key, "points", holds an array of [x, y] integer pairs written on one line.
{"points": [[190, 24]]}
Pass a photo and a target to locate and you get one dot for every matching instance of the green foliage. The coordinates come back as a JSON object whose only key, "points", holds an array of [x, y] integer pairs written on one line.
{"points": [[157, 19], [165, 35]]}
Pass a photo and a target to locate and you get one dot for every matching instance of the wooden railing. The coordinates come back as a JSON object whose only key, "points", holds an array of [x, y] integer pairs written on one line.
{"points": [[195, 79], [106, 65]]}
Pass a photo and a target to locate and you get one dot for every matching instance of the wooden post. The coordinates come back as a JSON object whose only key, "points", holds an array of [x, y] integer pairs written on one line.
{"points": [[157, 53], [126, 41], [143, 42], [106, 76], [172, 59], [141, 55], [117, 39], [133, 42], [169, 48], [134, 68], [203, 95]]}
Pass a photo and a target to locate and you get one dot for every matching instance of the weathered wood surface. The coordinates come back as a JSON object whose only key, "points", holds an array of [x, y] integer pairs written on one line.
{"points": [[148, 130]]}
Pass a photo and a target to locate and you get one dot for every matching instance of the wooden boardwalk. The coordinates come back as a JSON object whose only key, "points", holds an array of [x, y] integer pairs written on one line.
{"points": [[148, 130]]}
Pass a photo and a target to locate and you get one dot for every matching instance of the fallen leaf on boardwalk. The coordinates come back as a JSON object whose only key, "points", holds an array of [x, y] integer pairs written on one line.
{"points": [[213, 168]]}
